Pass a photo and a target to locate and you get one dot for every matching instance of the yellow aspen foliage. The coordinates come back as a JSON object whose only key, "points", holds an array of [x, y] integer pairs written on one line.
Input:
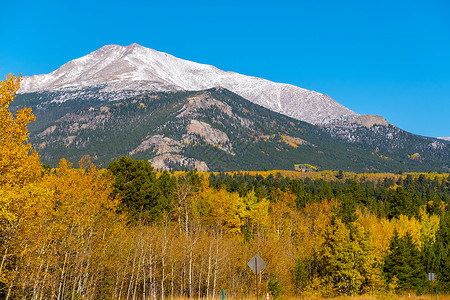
{"points": [[429, 225], [213, 206], [382, 232], [311, 224], [404, 224], [259, 214], [81, 196], [22, 199], [282, 212], [54, 225], [23, 239], [19, 165], [237, 214], [69, 223]]}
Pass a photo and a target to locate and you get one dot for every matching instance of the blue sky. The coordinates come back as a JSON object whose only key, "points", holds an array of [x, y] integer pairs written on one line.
{"points": [[390, 58]]}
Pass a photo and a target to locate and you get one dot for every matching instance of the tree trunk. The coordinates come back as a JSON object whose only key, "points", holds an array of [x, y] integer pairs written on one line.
{"points": [[124, 274], [190, 272], [163, 259], [208, 277], [10, 287], [3, 259], [130, 285], [172, 285], [138, 271], [61, 284], [216, 267]]}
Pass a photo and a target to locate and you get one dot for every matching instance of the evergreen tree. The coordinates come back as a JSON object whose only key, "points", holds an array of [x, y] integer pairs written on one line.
{"points": [[143, 196], [274, 287], [356, 192], [325, 192], [434, 206], [302, 197], [442, 251], [347, 210], [404, 262], [401, 203], [429, 258]]}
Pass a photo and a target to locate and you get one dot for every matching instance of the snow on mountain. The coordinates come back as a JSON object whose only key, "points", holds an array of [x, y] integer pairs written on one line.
{"points": [[115, 68], [444, 138]]}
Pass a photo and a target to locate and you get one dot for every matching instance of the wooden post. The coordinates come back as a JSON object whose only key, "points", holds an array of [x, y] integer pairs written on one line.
{"points": [[257, 285]]}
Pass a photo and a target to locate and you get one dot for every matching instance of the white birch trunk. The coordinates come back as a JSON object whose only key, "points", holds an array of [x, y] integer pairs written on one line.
{"points": [[208, 276]]}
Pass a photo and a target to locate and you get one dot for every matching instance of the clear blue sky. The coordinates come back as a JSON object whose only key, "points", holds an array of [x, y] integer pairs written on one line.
{"points": [[390, 58]]}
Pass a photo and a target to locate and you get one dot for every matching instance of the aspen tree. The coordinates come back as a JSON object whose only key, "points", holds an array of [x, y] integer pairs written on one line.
{"points": [[20, 169]]}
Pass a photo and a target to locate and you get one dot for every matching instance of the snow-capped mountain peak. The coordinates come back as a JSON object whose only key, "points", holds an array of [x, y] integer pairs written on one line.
{"points": [[134, 67]]}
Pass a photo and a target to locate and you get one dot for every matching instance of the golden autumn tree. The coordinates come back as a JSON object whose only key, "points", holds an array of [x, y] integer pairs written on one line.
{"points": [[19, 165], [20, 168], [81, 234], [55, 227]]}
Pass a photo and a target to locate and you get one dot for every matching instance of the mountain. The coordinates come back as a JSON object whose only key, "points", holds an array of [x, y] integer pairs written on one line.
{"points": [[116, 72], [146, 104], [218, 130], [444, 138]]}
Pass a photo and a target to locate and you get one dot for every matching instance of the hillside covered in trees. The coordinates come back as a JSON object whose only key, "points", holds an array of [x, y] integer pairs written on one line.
{"points": [[128, 231], [215, 130]]}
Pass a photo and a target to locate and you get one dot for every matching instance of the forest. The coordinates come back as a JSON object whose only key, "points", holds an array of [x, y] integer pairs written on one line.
{"points": [[129, 231]]}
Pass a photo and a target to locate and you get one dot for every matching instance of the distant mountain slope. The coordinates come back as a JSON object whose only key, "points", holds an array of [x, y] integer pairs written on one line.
{"points": [[216, 129], [114, 69], [388, 141]]}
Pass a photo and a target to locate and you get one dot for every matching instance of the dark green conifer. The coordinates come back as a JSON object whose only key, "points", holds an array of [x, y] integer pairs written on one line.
{"points": [[404, 262], [401, 203], [143, 196], [442, 252], [347, 210]]}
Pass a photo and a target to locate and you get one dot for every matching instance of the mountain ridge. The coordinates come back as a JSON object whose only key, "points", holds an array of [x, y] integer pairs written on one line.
{"points": [[113, 68]]}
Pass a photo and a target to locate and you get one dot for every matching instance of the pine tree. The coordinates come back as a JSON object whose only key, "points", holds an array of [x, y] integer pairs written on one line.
{"points": [[302, 196], [442, 251], [143, 196], [404, 262], [347, 210], [401, 203]]}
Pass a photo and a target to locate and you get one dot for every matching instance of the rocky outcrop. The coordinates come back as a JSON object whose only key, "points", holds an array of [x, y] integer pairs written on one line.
{"points": [[369, 121], [167, 160], [210, 135], [204, 101], [48, 131], [159, 144]]}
